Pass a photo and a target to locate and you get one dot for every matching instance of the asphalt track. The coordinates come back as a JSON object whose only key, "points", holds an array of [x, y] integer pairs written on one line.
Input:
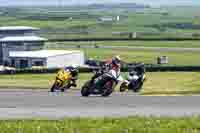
{"points": [[22, 104]]}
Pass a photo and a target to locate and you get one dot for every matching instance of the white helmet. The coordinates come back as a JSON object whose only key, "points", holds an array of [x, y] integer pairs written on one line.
{"points": [[74, 65], [116, 60]]}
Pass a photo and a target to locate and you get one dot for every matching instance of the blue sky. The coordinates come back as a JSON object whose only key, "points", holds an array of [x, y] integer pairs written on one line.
{"points": [[70, 2]]}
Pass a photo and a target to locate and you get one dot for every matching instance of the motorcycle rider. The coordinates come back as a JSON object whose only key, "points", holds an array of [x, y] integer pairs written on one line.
{"points": [[135, 79], [74, 73], [132, 75], [112, 67], [113, 63], [65, 78]]}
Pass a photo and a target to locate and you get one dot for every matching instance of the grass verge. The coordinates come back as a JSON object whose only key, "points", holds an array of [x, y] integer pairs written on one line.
{"points": [[104, 125], [157, 82]]}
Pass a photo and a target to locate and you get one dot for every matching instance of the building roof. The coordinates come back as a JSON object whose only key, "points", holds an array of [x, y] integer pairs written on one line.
{"points": [[17, 28], [21, 39], [106, 19], [40, 53]]}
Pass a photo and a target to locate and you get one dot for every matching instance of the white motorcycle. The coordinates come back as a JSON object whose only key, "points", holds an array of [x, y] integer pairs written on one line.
{"points": [[135, 79]]}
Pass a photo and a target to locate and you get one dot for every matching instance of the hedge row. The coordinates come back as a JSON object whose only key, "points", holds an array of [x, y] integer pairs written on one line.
{"points": [[151, 68]]}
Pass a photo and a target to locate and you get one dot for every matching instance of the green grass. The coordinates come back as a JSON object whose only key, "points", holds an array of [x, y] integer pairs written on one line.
{"points": [[169, 44], [86, 20], [146, 56], [184, 58], [35, 81], [104, 125], [157, 82], [172, 83]]}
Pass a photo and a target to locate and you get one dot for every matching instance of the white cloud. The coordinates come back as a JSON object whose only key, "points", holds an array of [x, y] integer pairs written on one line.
{"points": [[67, 2]]}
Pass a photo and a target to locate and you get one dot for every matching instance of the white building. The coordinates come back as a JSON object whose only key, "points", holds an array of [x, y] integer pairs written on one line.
{"points": [[46, 58], [20, 47], [109, 19], [18, 38], [106, 19]]}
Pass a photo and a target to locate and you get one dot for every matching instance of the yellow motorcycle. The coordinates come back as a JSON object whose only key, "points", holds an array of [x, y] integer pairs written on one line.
{"points": [[65, 79]]}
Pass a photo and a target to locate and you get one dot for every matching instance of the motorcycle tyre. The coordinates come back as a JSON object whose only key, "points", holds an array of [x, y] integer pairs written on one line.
{"points": [[54, 87], [108, 92], [85, 90], [123, 87], [138, 88]]}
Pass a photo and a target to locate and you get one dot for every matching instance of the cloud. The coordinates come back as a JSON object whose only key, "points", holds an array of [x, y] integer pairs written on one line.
{"points": [[69, 2]]}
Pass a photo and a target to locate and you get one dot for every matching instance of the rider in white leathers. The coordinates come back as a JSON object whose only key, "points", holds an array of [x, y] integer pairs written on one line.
{"points": [[114, 68]]}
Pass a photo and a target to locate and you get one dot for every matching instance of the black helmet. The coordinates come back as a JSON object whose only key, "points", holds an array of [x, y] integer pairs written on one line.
{"points": [[132, 73], [73, 69], [74, 72]]}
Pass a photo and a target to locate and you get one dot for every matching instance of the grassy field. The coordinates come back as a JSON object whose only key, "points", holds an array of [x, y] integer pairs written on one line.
{"points": [[35, 81], [175, 58], [157, 82], [174, 23], [104, 125], [184, 58], [169, 44]]}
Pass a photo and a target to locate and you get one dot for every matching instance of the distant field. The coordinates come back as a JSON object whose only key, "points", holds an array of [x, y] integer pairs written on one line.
{"points": [[57, 23], [157, 82], [104, 125]]}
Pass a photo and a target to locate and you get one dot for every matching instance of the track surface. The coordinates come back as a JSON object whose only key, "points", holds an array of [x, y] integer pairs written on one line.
{"points": [[18, 104]]}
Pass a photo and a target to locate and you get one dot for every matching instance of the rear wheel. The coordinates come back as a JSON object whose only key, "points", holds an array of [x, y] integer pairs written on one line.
{"points": [[63, 90], [107, 93], [85, 89]]}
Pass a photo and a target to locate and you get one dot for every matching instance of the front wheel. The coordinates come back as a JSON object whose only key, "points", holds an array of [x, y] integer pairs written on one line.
{"points": [[109, 88], [54, 86], [123, 87], [139, 87], [85, 92], [107, 93]]}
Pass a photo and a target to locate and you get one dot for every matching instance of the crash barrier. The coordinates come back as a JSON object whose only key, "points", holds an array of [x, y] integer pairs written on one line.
{"points": [[173, 68], [43, 70], [122, 39], [149, 68]]}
